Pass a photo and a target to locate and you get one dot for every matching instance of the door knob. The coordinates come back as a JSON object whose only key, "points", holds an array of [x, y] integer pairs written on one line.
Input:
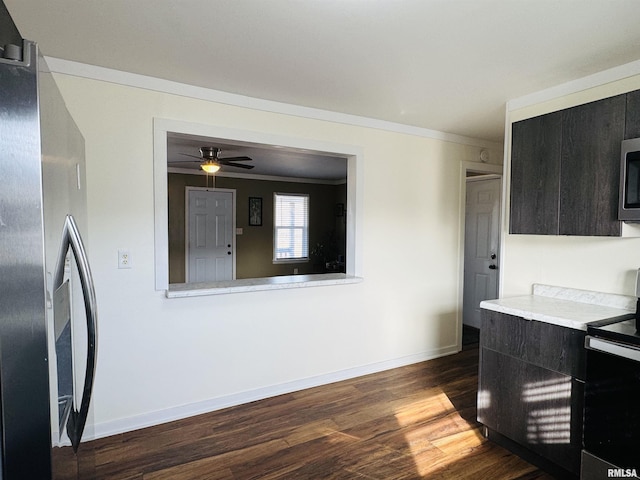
{"points": [[228, 253], [493, 256], [493, 267]]}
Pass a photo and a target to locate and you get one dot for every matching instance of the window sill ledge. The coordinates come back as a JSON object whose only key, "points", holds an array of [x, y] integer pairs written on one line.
{"points": [[182, 290]]}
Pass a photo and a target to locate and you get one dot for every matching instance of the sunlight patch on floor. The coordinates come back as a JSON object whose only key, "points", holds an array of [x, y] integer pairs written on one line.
{"points": [[446, 452], [440, 436], [432, 406]]}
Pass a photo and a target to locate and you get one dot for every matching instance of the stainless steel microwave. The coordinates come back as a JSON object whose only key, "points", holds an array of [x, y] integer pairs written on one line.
{"points": [[629, 203]]}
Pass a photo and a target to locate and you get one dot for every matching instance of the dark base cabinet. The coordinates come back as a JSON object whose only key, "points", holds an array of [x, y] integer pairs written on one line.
{"points": [[530, 456], [531, 389]]}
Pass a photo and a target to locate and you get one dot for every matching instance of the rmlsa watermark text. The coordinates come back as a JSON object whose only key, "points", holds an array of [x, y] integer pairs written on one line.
{"points": [[621, 472]]}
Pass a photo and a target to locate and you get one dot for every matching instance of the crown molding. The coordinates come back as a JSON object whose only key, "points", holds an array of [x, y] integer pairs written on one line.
{"points": [[614, 74], [93, 72]]}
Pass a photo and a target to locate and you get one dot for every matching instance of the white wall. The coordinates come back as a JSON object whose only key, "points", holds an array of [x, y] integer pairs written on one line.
{"points": [[162, 358], [591, 263]]}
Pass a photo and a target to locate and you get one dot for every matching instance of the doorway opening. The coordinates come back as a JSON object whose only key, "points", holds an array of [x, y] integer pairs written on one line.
{"points": [[480, 245]]}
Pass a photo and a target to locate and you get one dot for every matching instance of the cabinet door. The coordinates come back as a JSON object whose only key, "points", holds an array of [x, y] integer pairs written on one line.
{"points": [[535, 174], [591, 136], [549, 346], [632, 117], [535, 407]]}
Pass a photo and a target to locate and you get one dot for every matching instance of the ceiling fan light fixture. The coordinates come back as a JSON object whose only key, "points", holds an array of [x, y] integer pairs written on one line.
{"points": [[210, 166]]}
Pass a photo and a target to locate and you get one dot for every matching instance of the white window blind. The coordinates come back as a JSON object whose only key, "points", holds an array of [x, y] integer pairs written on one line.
{"points": [[291, 227]]}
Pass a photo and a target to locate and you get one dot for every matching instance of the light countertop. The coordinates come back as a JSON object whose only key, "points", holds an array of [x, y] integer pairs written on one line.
{"points": [[257, 284], [566, 307]]}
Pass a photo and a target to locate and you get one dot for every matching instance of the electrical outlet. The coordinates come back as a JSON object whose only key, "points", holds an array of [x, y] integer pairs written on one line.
{"points": [[124, 259]]}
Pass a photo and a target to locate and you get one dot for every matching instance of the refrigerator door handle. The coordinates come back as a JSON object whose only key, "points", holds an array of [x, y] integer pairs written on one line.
{"points": [[71, 239]]}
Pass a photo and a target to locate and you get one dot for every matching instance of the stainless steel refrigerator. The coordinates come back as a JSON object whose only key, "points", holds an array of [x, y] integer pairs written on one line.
{"points": [[47, 297]]}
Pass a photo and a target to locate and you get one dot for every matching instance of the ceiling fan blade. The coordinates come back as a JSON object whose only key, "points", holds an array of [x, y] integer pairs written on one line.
{"points": [[238, 165], [235, 159], [212, 152]]}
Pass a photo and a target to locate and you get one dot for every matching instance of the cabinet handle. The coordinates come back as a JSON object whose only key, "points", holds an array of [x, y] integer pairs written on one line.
{"points": [[624, 351]]}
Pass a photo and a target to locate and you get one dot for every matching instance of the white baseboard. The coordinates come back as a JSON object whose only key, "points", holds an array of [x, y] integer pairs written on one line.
{"points": [[144, 420]]}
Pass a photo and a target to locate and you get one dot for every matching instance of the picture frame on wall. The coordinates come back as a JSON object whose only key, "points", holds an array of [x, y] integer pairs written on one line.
{"points": [[255, 211]]}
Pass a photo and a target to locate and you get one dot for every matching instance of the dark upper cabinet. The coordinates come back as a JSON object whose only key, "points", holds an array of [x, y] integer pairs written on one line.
{"points": [[632, 117], [535, 174], [591, 136], [565, 169]]}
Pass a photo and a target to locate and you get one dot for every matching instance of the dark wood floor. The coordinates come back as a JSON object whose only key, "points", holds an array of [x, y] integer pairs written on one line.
{"points": [[408, 423]]}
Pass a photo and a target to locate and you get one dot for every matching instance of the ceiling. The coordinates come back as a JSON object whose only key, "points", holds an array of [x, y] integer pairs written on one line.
{"points": [[445, 65], [267, 160]]}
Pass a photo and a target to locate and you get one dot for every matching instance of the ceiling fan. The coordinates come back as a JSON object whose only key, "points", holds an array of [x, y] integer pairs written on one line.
{"points": [[211, 163]]}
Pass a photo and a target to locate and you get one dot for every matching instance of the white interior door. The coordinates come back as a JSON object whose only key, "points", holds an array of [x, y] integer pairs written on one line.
{"points": [[210, 238], [481, 247]]}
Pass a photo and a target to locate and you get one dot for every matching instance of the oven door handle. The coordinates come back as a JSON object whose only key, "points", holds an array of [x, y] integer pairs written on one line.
{"points": [[614, 348]]}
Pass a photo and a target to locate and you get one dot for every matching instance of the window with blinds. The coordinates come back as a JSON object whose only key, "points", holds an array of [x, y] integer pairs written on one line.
{"points": [[291, 227]]}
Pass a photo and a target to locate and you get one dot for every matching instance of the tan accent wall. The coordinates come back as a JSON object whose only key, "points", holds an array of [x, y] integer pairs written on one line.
{"points": [[254, 247]]}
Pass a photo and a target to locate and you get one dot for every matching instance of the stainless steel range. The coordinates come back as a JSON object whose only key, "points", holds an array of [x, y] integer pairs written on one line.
{"points": [[612, 402]]}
